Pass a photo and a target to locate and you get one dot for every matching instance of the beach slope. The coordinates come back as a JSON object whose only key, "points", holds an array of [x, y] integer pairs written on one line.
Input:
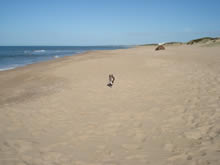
{"points": [[163, 109]]}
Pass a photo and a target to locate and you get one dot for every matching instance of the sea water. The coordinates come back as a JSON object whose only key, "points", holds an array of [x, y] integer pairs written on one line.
{"points": [[17, 56]]}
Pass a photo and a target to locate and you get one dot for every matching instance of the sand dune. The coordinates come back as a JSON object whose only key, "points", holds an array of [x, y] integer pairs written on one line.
{"points": [[163, 109]]}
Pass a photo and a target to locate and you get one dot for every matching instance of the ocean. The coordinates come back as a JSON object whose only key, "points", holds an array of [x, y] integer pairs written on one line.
{"points": [[16, 56]]}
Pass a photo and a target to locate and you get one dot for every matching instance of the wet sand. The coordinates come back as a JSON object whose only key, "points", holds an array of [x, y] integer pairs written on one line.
{"points": [[163, 109]]}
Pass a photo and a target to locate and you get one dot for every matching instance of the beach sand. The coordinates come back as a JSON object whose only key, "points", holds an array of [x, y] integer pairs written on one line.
{"points": [[163, 109]]}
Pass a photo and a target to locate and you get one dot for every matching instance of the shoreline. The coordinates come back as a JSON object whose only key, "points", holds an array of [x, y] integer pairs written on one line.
{"points": [[55, 56], [46, 61]]}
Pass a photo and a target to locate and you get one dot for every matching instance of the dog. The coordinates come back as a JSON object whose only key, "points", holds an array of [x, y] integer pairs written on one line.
{"points": [[111, 80]]}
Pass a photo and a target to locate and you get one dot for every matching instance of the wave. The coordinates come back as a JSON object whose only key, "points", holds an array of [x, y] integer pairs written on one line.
{"points": [[27, 52], [7, 68], [52, 52], [39, 51], [30, 52]]}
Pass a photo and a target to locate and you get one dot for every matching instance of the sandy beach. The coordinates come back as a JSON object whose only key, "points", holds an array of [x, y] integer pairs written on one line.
{"points": [[163, 109]]}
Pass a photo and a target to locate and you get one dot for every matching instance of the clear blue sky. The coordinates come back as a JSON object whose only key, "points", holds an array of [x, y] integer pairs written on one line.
{"points": [[106, 22]]}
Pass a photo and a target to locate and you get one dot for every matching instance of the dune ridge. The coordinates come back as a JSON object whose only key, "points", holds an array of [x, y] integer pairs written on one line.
{"points": [[204, 41]]}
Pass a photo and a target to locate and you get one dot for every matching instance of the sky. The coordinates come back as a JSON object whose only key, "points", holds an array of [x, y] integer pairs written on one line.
{"points": [[106, 22]]}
